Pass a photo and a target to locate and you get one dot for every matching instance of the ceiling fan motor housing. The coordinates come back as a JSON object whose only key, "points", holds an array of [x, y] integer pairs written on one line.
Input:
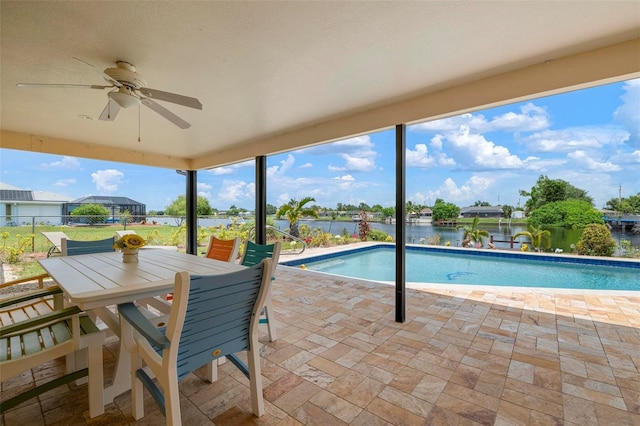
{"points": [[126, 74]]}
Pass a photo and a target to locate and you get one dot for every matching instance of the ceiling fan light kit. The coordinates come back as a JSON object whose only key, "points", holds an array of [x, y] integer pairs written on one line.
{"points": [[124, 97], [130, 90]]}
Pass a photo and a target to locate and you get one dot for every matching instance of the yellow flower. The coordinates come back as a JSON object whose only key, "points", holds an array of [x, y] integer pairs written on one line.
{"points": [[132, 241]]}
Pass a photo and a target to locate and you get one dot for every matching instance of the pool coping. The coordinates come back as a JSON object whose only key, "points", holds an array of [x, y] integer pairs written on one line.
{"points": [[551, 257]]}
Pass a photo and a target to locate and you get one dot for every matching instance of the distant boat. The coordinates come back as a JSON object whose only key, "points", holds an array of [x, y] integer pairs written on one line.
{"points": [[356, 218]]}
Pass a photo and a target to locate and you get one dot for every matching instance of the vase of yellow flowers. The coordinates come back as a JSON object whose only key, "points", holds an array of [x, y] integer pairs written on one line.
{"points": [[129, 245]]}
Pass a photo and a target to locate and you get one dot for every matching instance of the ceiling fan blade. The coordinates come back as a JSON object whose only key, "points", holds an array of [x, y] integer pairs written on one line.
{"points": [[63, 86], [166, 113], [110, 112], [171, 97]]}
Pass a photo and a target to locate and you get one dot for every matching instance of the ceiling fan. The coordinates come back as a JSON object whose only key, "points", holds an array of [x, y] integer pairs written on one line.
{"points": [[130, 89]]}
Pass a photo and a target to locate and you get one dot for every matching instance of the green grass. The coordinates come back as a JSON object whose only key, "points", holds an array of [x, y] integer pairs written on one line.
{"points": [[29, 269], [154, 234], [159, 233]]}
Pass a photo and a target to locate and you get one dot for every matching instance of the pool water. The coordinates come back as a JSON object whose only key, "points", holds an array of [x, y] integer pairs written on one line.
{"points": [[452, 267]]}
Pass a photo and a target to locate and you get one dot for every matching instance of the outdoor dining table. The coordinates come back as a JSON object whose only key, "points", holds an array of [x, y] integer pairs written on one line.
{"points": [[95, 282]]}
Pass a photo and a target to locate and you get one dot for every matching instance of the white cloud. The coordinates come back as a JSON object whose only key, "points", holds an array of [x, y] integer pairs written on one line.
{"points": [[420, 198], [283, 199], [583, 159], [530, 118], [543, 165], [355, 145], [419, 157], [436, 142], [65, 182], [107, 180], [354, 163], [345, 178], [235, 191], [282, 168], [571, 139], [474, 152], [476, 187], [306, 166], [451, 124], [230, 169], [358, 154], [451, 192], [220, 171], [204, 190], [628, 114], [70, 163], [479, 183]]}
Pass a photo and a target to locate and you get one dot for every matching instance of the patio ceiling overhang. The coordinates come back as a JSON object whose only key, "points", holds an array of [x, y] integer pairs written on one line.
{"points": [[274, 77]]}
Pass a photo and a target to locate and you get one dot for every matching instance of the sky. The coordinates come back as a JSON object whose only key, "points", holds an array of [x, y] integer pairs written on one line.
{"points": [[589, 138]]}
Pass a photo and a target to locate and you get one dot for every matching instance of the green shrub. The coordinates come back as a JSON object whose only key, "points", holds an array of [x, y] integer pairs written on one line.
{"points": [[377, 235], [13, 253], [319, 239], [596, 240], [96, 213], [434, 240], [628, 250], [569, 214]]}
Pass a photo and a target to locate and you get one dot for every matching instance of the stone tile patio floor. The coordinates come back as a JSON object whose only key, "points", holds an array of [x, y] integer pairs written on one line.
{"points": [[464, 356]]}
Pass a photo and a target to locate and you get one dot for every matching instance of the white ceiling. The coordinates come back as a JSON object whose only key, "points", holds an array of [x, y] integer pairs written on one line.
{"points": [[265, 70]]}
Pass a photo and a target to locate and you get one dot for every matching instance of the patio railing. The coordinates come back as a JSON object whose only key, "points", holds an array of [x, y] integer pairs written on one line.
{"points": [[272, 229]]}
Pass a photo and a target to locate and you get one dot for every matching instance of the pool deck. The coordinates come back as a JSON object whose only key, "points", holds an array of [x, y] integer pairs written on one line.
{"points": [[464, 356]]}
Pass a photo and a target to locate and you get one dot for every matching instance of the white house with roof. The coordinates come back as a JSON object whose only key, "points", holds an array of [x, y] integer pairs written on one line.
{"points": [[23, 206]]}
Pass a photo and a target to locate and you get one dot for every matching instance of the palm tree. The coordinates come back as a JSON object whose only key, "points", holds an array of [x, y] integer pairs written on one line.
{"points": [[472, 234], [293, 211], [536, 236]]}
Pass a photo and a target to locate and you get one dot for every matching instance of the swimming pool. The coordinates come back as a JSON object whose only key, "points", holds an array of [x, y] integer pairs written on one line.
{"points": [[479, 267]]}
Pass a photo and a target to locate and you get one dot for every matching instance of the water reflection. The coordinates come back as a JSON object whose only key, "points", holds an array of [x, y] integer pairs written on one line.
{"points": [[561, 238]]}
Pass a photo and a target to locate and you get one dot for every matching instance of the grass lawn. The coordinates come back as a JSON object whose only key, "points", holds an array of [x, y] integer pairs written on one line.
{"points": [[158, 234], [12, 235]]}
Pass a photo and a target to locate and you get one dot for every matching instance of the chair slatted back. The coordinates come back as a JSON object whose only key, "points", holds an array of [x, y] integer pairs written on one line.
{"points": [[224, 250], [74, 247], [221, 313], [255, 253], [32, 307]]}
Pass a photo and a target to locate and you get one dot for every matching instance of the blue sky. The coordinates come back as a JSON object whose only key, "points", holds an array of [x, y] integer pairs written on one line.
{"points": [[590, 138]]}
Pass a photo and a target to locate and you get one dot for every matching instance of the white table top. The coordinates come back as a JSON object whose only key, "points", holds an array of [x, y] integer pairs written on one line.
{"points": [[96, 280]]}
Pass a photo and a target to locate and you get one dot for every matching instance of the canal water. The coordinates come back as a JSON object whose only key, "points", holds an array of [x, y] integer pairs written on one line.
{"points": [[561, 238]]}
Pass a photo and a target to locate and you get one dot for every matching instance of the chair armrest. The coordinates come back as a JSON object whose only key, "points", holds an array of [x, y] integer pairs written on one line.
{"points": [[31, 295], [40, 278], [130, 313], [38, 321]]}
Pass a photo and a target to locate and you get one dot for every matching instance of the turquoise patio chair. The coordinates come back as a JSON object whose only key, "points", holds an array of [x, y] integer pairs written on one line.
{"points": [[255, 253], [211, 316], [75, 247]]}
